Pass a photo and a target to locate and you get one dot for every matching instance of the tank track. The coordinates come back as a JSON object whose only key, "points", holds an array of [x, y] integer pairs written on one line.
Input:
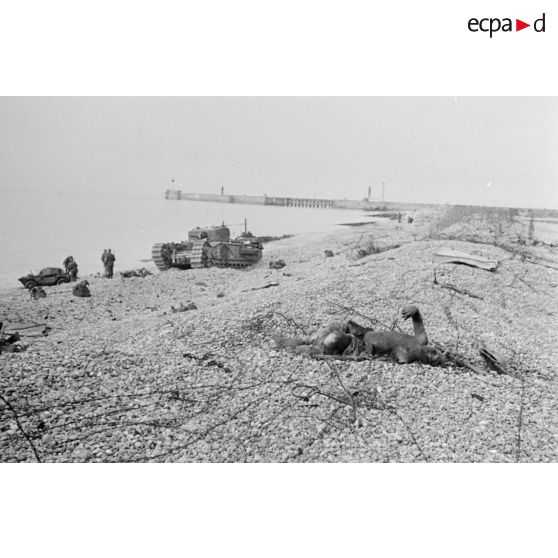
{"points": [[235, 265], [158, 259], [197, 257]]}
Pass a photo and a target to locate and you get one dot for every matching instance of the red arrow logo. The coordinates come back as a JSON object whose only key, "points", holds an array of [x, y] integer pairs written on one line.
{"points": [[519, 25]]}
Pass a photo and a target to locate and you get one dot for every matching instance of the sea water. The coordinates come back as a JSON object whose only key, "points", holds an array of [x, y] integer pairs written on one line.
{"points": [[38, 230]]}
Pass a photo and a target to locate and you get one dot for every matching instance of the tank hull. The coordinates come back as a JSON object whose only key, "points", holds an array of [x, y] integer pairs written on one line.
{"points": [[208, 248]]}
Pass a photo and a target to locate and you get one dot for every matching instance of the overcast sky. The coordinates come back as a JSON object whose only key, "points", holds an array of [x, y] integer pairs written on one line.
{"points": [[477, 150]]}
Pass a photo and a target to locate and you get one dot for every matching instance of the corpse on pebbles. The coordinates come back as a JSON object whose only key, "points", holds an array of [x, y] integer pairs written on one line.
{"points": [[111, 382]]}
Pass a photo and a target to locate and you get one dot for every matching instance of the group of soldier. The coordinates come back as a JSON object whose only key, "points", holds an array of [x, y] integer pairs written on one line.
{"points": [[108, 259]]}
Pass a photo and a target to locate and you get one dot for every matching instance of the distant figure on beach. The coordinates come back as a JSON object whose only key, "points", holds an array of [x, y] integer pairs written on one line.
{"points": [[72, 270], [109, 263], [104, 260], [66, 263], [410, 219]]}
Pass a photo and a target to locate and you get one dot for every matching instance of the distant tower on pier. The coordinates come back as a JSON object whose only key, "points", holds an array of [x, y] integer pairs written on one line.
{"points": [[369, 192]]}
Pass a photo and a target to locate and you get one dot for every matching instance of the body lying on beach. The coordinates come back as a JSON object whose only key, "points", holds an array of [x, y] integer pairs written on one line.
{"points": [[351, 339]]}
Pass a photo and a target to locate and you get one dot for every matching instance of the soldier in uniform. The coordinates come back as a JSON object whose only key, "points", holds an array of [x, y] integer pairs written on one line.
{"points": [[66, 263], [104, 260], [72, 270], [109, 263]]}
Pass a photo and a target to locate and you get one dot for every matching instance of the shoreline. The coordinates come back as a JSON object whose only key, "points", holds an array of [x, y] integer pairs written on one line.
{"points": [[120, 377], [546, 230]]}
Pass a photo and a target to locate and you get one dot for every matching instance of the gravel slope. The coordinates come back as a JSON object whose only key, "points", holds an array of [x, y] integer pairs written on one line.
{"points": [[121, 378]]}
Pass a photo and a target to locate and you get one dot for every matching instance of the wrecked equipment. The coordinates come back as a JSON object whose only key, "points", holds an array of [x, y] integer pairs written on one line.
{"points": [[82, 289], [208, 247], [448, 255], [46, 277]]}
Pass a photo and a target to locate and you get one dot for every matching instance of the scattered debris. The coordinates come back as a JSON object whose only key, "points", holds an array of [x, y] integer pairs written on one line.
{"points": [[184, 308], [136, 273], [10, 343], [82, 289], [37, 292], [362, 253], [277, 264], [266, 286], [447, 255], [220, 295], [464, 363], [328, 253], [30, 329], [372, 248], [496, 361], [82, 393]]}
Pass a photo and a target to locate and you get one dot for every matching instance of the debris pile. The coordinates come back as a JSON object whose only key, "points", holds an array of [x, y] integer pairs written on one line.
{"points": [[82, 289], [136, 273], [183, 307], [277, 264], [10, 342]]}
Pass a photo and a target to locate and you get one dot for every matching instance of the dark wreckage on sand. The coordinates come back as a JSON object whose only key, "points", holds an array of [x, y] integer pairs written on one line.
{"points": [[208, 247]]}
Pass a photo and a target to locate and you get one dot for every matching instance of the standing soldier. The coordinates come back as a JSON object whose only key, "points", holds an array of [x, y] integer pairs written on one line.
{"points": [[66, 263], [109, 263], [104, 260], [73, 270]]}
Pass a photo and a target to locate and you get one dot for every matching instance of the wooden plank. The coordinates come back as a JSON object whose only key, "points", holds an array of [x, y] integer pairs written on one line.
{"points": [[447, 255]]}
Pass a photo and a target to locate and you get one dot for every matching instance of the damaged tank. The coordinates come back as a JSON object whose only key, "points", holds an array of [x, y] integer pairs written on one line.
{"points": [[208, 247]]}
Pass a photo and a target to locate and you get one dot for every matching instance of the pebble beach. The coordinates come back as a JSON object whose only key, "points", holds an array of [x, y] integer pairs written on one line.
{"points": [[120, 377]]}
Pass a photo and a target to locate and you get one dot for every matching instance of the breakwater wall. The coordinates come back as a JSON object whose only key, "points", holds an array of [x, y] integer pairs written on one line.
{"points": [[318, 203]]}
